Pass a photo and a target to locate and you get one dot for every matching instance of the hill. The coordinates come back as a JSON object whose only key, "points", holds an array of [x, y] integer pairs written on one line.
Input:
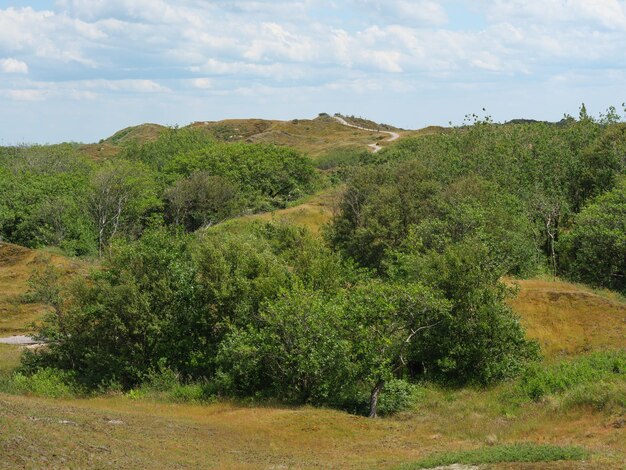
{"points": [[315, 137], [17, 264], [570, 319]]}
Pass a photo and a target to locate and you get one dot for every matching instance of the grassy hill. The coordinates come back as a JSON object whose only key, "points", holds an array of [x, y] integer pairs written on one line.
{"points": [[17, 264], [569, 319], [315, 137]]}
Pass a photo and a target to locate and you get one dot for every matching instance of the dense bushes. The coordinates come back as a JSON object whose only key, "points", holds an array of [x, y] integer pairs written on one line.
{"points": [[576, 377], [408, 289], [515, 187], [51, 195], [405, 206], [595, 248], [273, 312]]}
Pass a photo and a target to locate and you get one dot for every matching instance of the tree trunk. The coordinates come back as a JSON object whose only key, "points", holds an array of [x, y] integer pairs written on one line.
{"points": [[374, 398]]}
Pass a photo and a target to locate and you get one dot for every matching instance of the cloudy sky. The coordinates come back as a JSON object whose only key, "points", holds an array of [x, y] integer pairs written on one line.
{"points": [[82, 69]]}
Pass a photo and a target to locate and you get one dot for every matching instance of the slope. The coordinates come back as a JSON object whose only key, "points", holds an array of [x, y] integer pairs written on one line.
{"points": [[17, 264]]}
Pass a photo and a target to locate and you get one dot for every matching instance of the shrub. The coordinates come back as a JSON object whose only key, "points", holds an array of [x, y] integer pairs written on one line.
{"points": [[596, 247], [49, 383], [538, 381], [601, 396]]}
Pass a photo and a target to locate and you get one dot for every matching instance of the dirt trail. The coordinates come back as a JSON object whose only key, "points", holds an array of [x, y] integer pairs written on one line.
{"points": [[20, 340], [376, 148]]}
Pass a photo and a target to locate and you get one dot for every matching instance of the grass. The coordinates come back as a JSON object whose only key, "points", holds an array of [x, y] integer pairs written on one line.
{"points": [[541, 380], [17, 264], [172, 430], [313, 213], [523, 452], [314, 137], [569, 319], [9, 358], [129, 432]]}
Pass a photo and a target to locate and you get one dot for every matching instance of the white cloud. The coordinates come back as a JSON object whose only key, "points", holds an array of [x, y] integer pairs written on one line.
{"points": [[24, 94], [13, 66], [202, 83], [114, 50]]}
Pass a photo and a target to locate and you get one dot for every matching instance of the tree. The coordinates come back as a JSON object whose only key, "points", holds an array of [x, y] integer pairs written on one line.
{"points": [[122, 194], [481, 340], [595, 248], [200, 201], [384, 322]]}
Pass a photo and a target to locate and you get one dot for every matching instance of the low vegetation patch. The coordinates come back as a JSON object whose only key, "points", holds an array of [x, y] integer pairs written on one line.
{"points": [[580, 377], [523, 452]]}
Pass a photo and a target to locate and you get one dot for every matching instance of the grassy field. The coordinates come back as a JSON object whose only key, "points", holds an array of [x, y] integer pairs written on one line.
{"points": [[568, 319], [313, 212], [124, 433]]}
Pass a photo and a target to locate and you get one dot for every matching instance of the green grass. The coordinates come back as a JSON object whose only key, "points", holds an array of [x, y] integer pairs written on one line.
{"points": [[523, 452], [9, 358], [540, 380]]}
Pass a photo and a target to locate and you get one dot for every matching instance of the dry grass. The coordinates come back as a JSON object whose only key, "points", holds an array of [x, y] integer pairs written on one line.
{"points": [[82, 433], [313, 212], [111, 146], [9, 357], [314, 137], [17, 264], [568, 318]]}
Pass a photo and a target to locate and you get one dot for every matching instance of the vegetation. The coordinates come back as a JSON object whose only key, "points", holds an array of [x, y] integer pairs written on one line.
{"points": [[406, 304], [525, 452], [273, 312], [53, 196], [595, 249]]}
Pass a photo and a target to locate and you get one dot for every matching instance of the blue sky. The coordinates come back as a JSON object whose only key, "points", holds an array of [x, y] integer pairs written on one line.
{"points": [[82, 69]]}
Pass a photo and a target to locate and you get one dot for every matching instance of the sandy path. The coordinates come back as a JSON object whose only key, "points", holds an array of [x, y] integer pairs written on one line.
{"points": [[376, 148], [21, 340]]}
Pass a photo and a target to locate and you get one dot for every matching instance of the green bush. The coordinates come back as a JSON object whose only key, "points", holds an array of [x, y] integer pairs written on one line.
{"points": [[601, 396], [48, 382], [539, 380], [164, 384], [397, 395], [595, 249]]}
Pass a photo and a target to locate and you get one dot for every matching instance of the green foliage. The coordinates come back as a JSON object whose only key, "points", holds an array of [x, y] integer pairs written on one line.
{"points": [[600, 396], [596, 246], [201, 200], [522, 452], [122, 195], [297, 353], [543, 173], [272, 312], [41, 189], [539, 381], [46, 382], [397, 395], [383, 210], [52, 195], [267, 176], [494, 347]]}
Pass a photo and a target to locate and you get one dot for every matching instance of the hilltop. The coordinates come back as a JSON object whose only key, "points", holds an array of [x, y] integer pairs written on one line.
{"points": [[315, 137]]}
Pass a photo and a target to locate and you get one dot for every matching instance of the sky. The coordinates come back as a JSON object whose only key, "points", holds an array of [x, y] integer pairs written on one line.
{"points": [[79, 70]]}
